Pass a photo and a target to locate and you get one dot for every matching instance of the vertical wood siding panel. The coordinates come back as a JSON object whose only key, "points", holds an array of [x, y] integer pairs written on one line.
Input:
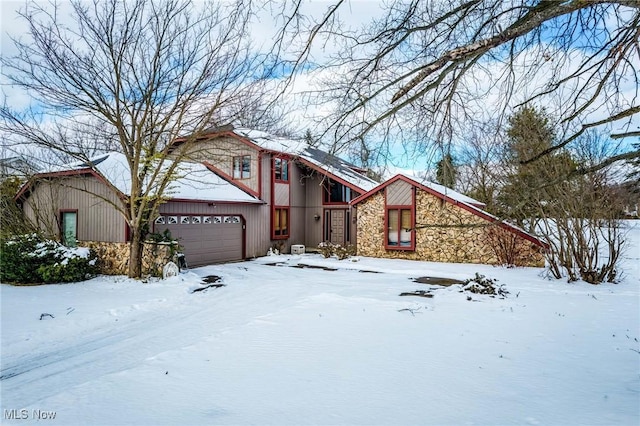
{"points": [[98, 219], [297, 188], [313, 228]]}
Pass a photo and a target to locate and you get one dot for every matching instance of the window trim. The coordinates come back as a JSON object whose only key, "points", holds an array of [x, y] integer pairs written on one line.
{"points": [[62, 236], [273, 224], [326, 193], [241, 159], [399, 209], [282, 160]]}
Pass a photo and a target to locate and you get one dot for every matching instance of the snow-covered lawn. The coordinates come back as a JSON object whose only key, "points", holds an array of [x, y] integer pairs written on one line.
{"points": [[286, 345]]}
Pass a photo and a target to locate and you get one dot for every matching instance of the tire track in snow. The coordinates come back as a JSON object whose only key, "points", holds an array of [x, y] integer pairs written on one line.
{"points": [[31, 378]]}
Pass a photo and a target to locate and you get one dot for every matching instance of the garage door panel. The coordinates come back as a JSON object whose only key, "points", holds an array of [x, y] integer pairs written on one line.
{"points": [[218, 239]]}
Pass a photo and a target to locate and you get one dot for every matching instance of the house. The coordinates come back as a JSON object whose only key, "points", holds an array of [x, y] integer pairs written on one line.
{"points": [[409, 219], [240, 192]]}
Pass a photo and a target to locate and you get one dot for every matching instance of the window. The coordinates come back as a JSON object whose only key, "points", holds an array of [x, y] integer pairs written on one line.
{"points": [[242, 167], [399, 224], [337, 193], [69, 228], [281, 169], [281, 222]]}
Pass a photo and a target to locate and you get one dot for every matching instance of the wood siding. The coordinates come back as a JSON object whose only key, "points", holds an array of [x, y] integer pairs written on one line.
{"points": [[97, 220], [399, 193], [298, 211], [219, 152], [313, 207]]}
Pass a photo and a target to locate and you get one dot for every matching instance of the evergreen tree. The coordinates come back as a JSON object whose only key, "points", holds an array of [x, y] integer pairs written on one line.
{"points": [[446, 172], [531, 186]]}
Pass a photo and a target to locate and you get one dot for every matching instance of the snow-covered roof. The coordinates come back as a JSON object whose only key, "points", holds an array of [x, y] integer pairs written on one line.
{"points": [[444, 190], [197, 182], [317, 157], [194, 180], [338, 167], [273, 143]]}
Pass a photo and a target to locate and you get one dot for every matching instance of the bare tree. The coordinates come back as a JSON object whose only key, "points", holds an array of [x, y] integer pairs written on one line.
{"points": [[426, 69], [131, 75], [483, 172]]}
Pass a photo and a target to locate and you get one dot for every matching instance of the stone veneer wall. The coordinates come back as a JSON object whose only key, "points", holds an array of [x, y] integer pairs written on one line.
{"points": [[113, 258], [444, 233]]}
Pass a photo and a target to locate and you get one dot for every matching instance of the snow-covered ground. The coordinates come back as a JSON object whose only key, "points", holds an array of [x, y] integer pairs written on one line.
{"points": [[285, 345]]}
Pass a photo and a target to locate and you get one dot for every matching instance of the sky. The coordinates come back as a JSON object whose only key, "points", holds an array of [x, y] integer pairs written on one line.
{"points": [[353, 14]]}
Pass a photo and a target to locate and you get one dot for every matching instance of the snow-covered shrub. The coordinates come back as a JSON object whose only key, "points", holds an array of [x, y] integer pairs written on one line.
{"points": [[328, 249], [482, 285], [32, 259]]}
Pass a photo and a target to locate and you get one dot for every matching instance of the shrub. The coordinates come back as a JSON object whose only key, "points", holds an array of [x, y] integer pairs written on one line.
{"points": [[32, 259], [482, 285], [328, 249]]}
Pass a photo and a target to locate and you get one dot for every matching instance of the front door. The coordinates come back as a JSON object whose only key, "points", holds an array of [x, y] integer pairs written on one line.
{"points": [[335, 226]]}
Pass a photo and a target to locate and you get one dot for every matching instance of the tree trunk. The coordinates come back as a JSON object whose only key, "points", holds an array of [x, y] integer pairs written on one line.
{"points": [[135, 254]]}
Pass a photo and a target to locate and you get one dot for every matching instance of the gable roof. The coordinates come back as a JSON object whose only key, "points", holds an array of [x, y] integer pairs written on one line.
{"points": [[441, 189], [321, 161], [457, 199], [315, 158], [195, 182], [336, 166]]}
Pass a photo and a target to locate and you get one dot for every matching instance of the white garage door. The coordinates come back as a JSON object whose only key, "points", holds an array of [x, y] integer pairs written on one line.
{"points": [[205, 239]]}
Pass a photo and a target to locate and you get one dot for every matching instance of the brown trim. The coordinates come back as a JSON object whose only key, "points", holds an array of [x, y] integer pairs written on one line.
{"points": [[326, 192], [275, 206], [260, 174], [229, 179], [86, 171], [286, 158], [187, 200], [273, 230], [233, 166], [466, 206], [327, 214], [412, 210]]}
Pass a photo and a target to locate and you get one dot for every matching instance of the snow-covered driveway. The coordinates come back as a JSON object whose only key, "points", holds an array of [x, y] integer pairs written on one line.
{"points": [[287, 345]]}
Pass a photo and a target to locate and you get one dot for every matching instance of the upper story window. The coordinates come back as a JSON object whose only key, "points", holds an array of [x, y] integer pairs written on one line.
{"points": [[337, 193], [281, 169], [242, 167]]}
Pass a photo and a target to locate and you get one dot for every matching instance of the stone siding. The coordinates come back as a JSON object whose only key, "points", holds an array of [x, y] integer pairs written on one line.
{"points": [[113, 258], [444, 233]]}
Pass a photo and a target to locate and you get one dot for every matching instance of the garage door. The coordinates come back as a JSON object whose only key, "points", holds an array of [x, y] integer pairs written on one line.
{"points": [[205, 239]]}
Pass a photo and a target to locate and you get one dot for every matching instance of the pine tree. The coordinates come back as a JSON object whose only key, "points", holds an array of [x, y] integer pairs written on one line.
{"points": [[531, 186], [446, 172]]}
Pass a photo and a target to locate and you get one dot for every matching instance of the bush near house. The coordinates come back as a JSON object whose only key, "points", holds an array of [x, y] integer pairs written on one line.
{"points": [[328, 249], [31, 259]]}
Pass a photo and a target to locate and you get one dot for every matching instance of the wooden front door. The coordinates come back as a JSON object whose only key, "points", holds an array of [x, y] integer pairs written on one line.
{"points": [[335, 226]]}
